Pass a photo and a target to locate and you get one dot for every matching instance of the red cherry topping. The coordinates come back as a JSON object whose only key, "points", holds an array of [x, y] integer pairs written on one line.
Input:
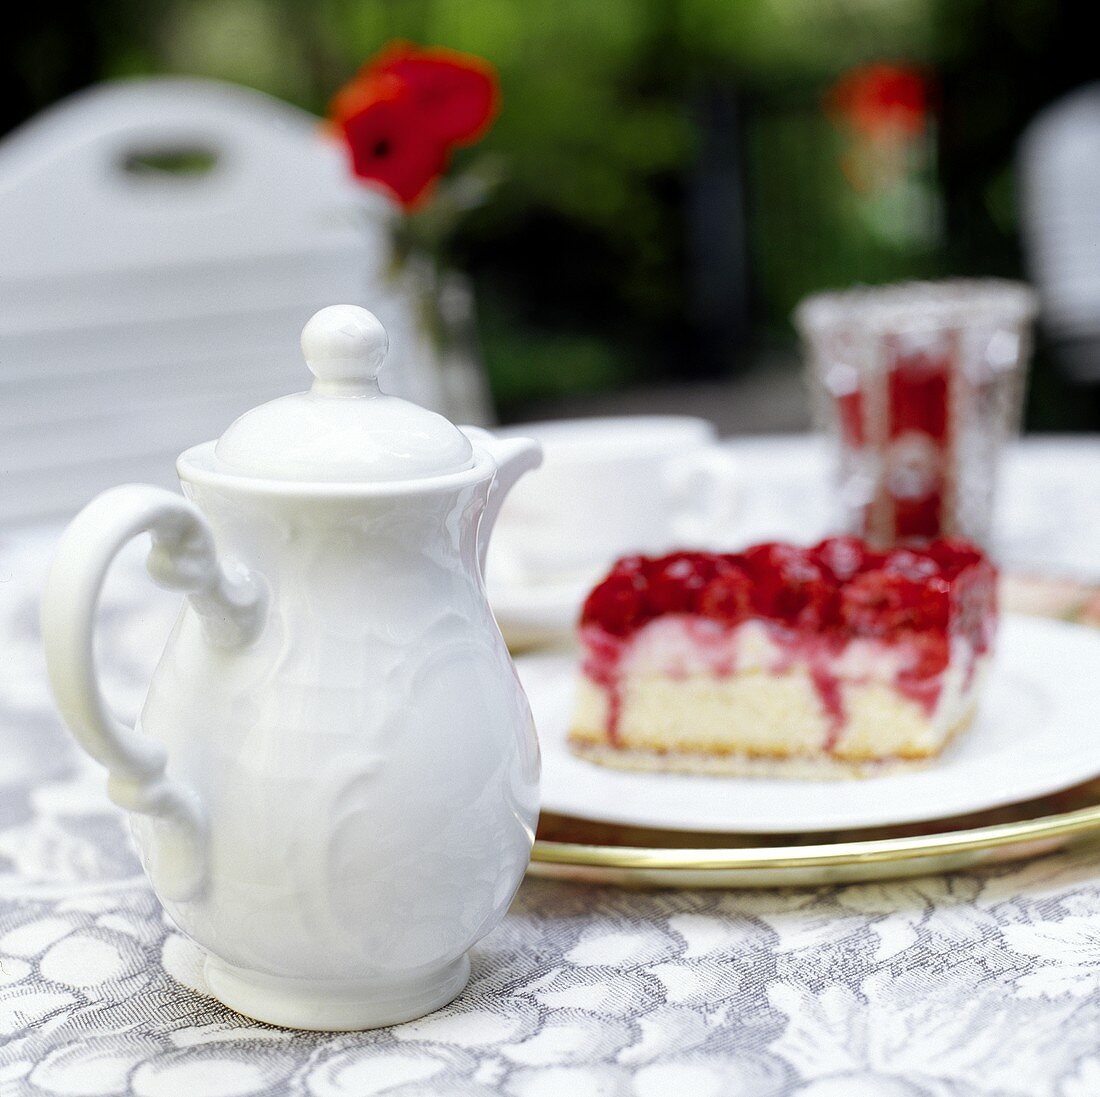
{"points": [[881, 603], [676, 582], [916, 566], [844, 556], [618, 603], [839, 585], [790, 586], [955, 555], [728, 596]]}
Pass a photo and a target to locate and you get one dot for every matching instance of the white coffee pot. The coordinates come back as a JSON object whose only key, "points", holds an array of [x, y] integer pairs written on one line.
{"points": [[334, 779]]}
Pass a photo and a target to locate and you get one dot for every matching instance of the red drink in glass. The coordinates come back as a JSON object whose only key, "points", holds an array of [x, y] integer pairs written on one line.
{"points": [[919, 386]]}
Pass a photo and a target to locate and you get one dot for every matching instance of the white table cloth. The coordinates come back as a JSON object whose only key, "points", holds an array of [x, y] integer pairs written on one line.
{"points": [[983, 984]]}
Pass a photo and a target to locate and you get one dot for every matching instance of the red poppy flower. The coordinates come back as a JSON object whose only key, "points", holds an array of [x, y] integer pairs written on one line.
{"points": [[406, 110], [456, 93], [881, 100], [388, 142]]}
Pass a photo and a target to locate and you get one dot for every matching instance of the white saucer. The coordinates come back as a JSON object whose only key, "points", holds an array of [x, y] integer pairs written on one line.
{"points": [[1038, 731]]}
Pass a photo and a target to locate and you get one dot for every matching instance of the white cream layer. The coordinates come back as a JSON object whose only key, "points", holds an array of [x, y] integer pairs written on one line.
{"points": [[691, 685]]}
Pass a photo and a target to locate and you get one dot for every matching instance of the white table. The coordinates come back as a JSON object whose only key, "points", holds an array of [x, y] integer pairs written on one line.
{"points": [[984, 984]]}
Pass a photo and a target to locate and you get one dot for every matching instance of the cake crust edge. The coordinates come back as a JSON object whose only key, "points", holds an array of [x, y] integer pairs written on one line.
{"points": [[818, 767]]}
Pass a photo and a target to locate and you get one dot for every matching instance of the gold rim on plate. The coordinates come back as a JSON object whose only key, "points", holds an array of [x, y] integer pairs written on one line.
{"points": [[578, 849]]}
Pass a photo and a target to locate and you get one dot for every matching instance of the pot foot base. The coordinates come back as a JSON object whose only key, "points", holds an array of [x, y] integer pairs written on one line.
{"points": [[333, 1005]]}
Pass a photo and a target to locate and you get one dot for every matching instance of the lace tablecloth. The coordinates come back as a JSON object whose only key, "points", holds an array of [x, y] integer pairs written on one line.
{"points": [[984, 984]]}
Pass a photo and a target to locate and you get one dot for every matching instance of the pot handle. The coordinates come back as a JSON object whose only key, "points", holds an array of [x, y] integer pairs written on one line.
{"points": [[231, 603], [513, 457]]}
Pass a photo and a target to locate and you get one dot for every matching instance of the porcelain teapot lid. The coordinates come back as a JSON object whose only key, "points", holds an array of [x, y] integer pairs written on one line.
{"points": [[344, 429]]}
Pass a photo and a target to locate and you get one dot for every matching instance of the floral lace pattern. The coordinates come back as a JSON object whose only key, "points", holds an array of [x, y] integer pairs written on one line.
{"points": [[985, 984]]}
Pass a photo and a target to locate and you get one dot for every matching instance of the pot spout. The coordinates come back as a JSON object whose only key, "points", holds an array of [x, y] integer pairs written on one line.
{"points": [[514, 457]]}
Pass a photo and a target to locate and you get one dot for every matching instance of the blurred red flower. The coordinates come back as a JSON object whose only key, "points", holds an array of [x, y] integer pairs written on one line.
{"points": [[407, 109], [457, 94], [881, 100]]}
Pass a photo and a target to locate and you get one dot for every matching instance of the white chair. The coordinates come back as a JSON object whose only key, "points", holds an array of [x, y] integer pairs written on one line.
{"points": [[1059, 165], [141, 310]]}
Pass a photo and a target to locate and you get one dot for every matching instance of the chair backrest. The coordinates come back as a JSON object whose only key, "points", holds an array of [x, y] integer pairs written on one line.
{"points": [[1059, 169], [141, 308]]}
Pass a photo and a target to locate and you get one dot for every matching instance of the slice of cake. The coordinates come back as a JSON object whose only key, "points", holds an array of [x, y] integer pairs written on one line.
{"points": [[830, 661]]}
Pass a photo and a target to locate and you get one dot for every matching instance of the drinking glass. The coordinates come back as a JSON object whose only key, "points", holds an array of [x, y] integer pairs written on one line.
{"points": [[918, 386]]}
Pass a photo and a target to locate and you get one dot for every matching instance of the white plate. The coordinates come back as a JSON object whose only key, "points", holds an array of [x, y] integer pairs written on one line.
{"points": [[1037, 731]]}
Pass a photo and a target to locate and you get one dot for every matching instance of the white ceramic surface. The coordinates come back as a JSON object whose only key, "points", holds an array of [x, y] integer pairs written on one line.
{"points": [[334, 781], [1035, 733], [609, 487], [344, 428]]}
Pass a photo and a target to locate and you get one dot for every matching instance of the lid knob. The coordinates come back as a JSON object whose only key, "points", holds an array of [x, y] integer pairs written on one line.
{"points": [[344, 347], [344, 430]]}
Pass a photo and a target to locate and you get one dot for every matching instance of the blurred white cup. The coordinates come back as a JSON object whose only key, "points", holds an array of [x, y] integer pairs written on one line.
{"points": [[609, 487]]}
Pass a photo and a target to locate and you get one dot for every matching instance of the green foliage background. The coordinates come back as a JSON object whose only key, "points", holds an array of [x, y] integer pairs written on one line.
{"points": [[587, 271]]}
